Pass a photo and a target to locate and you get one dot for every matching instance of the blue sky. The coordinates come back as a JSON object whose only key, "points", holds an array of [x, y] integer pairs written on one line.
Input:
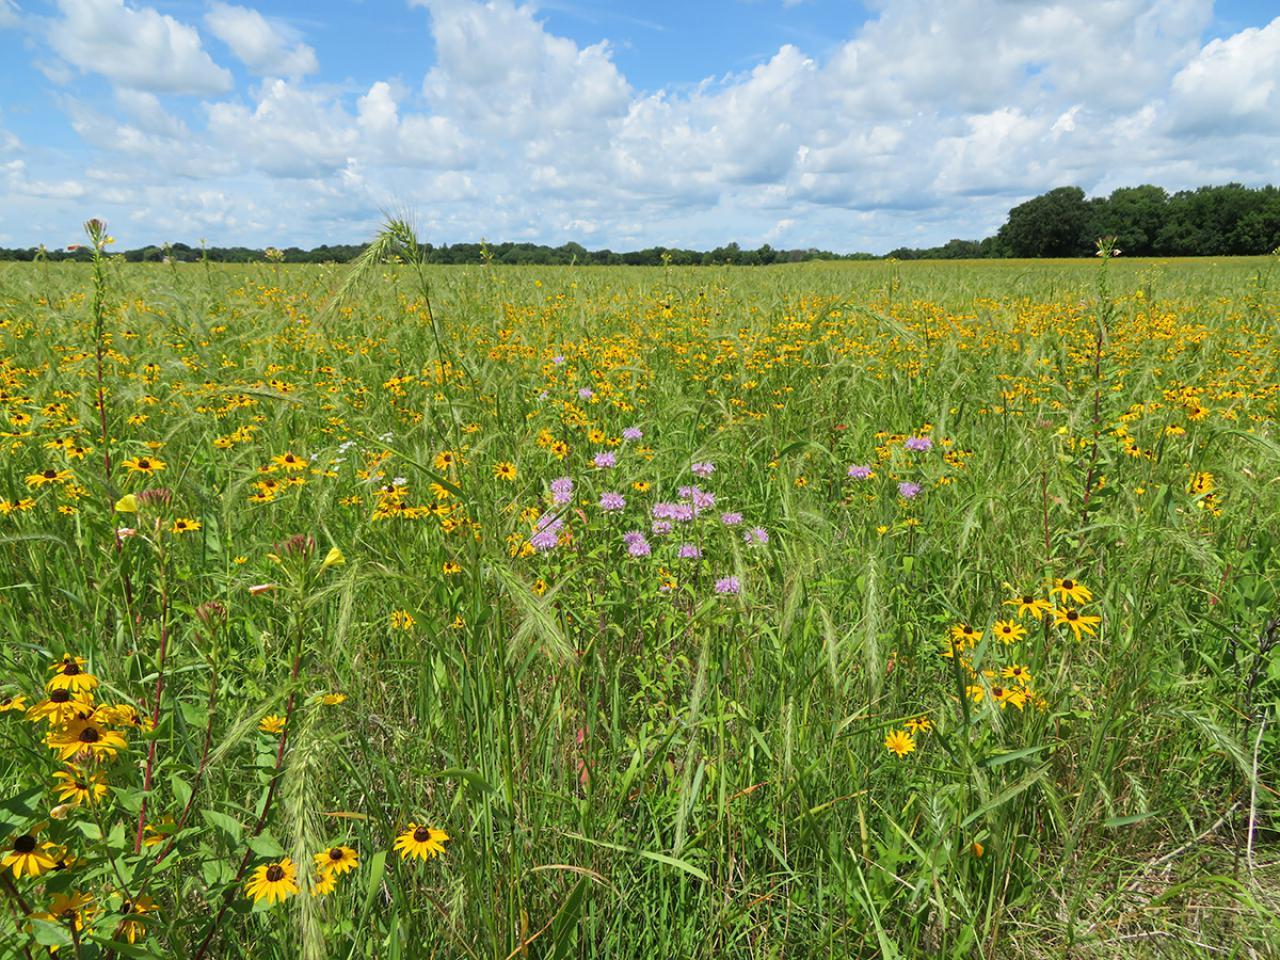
{"points": [[827, 123]]}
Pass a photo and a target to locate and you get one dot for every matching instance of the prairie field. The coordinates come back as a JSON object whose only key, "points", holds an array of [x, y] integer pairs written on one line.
{"points": [[826, 610]]}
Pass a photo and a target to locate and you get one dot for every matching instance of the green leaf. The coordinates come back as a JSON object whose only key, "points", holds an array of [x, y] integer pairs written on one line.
{"points": [[228, 825], [1131, 818], [50, 934], [265, 845]]}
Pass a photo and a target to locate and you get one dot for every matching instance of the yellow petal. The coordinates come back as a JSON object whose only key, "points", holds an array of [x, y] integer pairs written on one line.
{"points": [[127, 504], [333, 558]]}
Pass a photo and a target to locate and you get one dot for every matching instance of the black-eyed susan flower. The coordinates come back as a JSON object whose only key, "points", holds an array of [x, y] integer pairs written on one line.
{"points": [[290, 461], [79, 786], [72, 910], [323, 883], [15, 702], [1004, 696], [272, 723], [1080, 623], [1017, 673], [966, 633], [185, 525], [1029, 605], [86, 738], [1008, 631], [505, 470], [919, 725], [899, 742], [337, 860], [130, 928], [48, 476], [451, 568], [27, 856], [1072, 590], [144, 465], [273, 882], [60, 707], [69, 674], [421, 842]]}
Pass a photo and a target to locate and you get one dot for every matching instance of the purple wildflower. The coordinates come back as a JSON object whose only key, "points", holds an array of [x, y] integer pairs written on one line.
{"points": [[690, 551], [661, 527], [558, 359], [907, 489], [561, 490], [612, 501], [637, 545], [756, 535], [606, 458], [547, 532], [703, 469], [586, 393], [632, 433], [731, 519], [919, 444], [859, 472], [728, 585]]}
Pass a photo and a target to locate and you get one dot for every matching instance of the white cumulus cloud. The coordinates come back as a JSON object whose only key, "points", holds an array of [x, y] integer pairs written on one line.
{"points": [[264, 47]]}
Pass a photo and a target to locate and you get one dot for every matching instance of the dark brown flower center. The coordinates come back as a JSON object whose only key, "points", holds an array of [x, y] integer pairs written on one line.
{"points": [[1072, 615], [61, 695], [24, 844], [89, 735], [275, 873], [997, 691], [422, 834], [335, 853], [1068, 585], [1028, 600], [50, 474]]}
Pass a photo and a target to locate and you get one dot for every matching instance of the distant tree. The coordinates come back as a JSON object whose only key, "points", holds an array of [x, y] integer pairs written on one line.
{"points": [[1054, 224]]}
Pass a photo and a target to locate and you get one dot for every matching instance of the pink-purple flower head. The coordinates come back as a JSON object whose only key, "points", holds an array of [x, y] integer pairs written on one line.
{"points": [[561, 490], [679, 512], [586, 393], [558, 359], [918, 444], [703, 469], [859, 472], [661, 527], [690, 551], [546, 532], [612, 501], [604, 459], [731, 519], [699, 499], [756, 535], [632, 433], [637, 545], [907, 490], [730, 586]]}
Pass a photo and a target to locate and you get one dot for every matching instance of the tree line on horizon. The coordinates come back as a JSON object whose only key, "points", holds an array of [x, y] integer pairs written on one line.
{"points": [[1146, 221]]}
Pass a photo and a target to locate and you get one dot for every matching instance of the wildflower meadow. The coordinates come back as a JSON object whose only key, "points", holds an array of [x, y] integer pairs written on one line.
{"points": [[395, 610]]}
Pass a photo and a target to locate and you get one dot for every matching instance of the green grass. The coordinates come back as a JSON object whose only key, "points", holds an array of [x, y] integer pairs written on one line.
{"points": [[623, 770]]}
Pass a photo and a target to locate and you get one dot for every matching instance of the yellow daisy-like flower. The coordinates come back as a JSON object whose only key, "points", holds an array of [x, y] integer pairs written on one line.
{"points": [[28, 856], [641, 486], [1079, 623], [333, 699], [16, 702], [185, 525], [75, 786], [290, 461], [86, 738], [130, 929], [899, 742], [273, 882], [1072, 590], [72, 910], [919, 725], [966, 633], [272, 723], [323, 883], [444, 460], [1029, 605], [69, 674], [146, 465], [421, 842], [48, 476], [505, 471], [1007, 695], [1009, 631], [1017, 673], [401, 620], [539, 586], [450, 568], [61, 707], [337, 860]]}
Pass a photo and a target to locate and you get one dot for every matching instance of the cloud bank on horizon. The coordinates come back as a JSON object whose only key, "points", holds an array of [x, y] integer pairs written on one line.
{"points": [[909, 123]]}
